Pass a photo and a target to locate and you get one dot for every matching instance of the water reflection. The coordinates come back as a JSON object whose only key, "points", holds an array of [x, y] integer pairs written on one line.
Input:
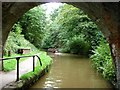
{"points": [[71, 71]]}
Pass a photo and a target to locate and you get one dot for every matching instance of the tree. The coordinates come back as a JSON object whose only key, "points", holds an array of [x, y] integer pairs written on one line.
{"points": [[33, 23], [70, 22]]}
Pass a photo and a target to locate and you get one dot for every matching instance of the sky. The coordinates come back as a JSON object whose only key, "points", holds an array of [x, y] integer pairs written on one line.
{"points": [[51, 6]]}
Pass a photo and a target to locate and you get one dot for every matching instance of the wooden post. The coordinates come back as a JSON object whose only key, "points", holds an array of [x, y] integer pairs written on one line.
{"points": [[33, 63], [17, 68], [2, 62], [9, 53]]}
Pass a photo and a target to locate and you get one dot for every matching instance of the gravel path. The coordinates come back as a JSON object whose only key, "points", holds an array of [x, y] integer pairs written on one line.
{"points": [[25, 66]]}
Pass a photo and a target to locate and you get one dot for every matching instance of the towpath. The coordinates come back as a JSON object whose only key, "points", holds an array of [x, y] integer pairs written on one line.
{"points": [[7, 77]]}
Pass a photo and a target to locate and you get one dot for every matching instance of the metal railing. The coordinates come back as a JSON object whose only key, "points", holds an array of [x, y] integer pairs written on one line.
{"points": [[18, 58]]}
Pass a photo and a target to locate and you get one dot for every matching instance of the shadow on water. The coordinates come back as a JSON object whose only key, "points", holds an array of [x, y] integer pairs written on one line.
{"points": [[71, 71]]}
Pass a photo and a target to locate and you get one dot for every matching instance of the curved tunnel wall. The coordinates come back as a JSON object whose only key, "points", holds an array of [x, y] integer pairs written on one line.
{"points": [[106, 16]]}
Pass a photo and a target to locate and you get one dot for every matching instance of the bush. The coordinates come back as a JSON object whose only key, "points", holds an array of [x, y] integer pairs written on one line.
{"points": [[77, 45], [102, 61]]}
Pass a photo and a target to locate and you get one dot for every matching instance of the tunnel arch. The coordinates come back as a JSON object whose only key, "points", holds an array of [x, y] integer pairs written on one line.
{"points": [[105, 15], [101, 13]]}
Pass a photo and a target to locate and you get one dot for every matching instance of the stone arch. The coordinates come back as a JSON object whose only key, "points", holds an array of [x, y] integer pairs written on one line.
{"points": [[106, 16]]}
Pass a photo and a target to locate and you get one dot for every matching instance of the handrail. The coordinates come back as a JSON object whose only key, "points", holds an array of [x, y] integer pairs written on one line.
{"points": [[39, 60], [18, 58]]}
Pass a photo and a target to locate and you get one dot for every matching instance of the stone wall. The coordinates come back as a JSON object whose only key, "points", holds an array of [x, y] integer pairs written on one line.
{"points": [[0, 34]]}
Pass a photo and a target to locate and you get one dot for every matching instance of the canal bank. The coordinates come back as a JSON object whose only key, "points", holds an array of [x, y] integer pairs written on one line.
{"points": [[27, 75], [24, 84]]}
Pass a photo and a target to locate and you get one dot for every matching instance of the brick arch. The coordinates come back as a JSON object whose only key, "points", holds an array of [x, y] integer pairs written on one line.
{"points": [[105, 15]]}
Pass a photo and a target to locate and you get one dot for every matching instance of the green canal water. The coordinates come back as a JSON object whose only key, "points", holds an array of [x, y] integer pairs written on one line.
{"points": [[71, 71]]}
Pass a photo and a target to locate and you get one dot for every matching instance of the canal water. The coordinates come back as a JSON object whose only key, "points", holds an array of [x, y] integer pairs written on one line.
{"points": [[71, 71]]}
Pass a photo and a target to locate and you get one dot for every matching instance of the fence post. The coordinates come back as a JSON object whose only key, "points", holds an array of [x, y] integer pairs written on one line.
{"points": [[18, 58], [33, 63]]}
